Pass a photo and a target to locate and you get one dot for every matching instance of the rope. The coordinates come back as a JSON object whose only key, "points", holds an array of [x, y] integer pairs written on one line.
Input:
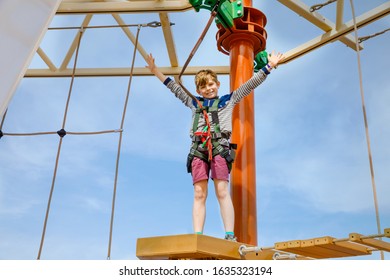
{"points": [[366, 125], [120, 144], [194, 50], [153, 24], [62, 132], [3, 119], [59, 147], [365, 38], [67, 132], [319, 6]]}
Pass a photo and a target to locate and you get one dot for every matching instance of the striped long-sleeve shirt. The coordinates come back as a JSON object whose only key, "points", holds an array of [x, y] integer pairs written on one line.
{"points": [[225, 105]]}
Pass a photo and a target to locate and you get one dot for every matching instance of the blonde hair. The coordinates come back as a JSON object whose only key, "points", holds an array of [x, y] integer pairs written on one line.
{"points": [[202, 77]]}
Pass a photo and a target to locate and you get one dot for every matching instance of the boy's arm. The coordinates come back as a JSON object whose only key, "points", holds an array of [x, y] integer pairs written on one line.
{"points": [[154, 69], [259, 77], [175, 88]]}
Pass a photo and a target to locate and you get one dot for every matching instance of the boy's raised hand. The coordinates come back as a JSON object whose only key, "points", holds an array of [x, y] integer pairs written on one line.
{"points": [[274, 58], [151, 64], [154, 69]]}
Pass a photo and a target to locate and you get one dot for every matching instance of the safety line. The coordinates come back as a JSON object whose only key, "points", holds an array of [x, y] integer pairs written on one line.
{"points": [[194, 50], [59, 147], [366, 125], [120, 144]]}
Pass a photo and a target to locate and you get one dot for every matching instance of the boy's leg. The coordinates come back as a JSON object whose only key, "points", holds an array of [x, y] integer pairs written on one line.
{"points": [[225, 204], [199, 206], [220, 175]]}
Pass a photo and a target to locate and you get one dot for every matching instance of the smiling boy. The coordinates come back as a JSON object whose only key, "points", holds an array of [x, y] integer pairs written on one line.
{"points": [[211, 154]]}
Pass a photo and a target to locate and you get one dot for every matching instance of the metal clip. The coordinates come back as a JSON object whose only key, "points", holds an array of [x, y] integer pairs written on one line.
{"points": [[154, 24]]}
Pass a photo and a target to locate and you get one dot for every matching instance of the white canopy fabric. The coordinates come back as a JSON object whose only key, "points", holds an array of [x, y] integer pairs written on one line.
{"points": [[23, 24]]}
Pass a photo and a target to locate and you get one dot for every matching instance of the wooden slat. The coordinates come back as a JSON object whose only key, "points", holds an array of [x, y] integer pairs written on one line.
{"points": [[310, 246], [322, 247], [194, 246], [348, 248], [294, 246], [378, 244]]}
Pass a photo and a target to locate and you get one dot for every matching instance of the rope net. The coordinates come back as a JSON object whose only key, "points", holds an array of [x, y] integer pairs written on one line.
{"points": [[63, 132]]}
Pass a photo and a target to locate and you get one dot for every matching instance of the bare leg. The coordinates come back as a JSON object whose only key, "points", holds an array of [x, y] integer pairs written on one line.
{"points": [[225, 204], [199, 206]]}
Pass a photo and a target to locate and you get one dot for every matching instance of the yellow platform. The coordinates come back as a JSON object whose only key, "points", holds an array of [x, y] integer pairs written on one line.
{"points": [[194, 246]]}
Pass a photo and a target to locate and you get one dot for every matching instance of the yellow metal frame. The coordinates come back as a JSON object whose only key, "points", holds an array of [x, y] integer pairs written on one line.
{"points": [[332, 31]]}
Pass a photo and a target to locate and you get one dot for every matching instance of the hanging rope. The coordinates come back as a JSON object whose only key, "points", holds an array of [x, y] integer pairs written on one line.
{"points": [[366, 125], [2, 123], [120, 144], [319, 6], [62, 132], [59, 146]]}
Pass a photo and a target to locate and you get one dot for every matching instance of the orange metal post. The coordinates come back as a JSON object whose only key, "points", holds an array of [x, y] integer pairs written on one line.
{"points": [[243, 176], [245, 39]]}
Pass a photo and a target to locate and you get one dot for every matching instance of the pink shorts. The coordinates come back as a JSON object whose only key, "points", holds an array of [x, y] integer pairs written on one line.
{"points": [[218, 167]]}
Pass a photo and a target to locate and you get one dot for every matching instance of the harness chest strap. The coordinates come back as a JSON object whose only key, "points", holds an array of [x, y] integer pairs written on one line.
{"points": [[205, 135], [211, 138]]}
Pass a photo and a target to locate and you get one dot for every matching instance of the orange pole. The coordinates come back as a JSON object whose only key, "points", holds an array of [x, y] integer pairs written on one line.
{"points": [[243, 175]]}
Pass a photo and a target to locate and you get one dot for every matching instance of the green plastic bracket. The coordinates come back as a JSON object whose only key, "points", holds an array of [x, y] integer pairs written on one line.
{"points": [[203, 4], [226, 13], [261, 60]]}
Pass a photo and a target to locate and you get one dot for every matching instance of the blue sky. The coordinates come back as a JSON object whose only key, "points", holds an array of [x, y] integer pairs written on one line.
{"points": [[312, 169]]}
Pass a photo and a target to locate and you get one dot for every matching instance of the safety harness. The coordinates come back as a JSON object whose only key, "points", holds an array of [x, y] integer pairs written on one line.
{"points": [[205, 144]]}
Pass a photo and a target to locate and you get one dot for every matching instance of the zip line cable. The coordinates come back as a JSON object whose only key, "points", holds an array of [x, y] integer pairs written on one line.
{"points": [[366, 125]]}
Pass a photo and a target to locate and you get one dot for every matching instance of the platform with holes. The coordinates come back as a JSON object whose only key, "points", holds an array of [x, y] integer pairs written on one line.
{"points": [[195, 246]]}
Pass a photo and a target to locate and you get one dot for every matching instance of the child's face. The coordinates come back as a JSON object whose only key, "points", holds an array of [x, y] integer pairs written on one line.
{"points": [[209, 90]]}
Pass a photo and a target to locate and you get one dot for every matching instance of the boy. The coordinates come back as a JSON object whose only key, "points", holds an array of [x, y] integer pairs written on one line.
{"points": [[211, 130]]}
